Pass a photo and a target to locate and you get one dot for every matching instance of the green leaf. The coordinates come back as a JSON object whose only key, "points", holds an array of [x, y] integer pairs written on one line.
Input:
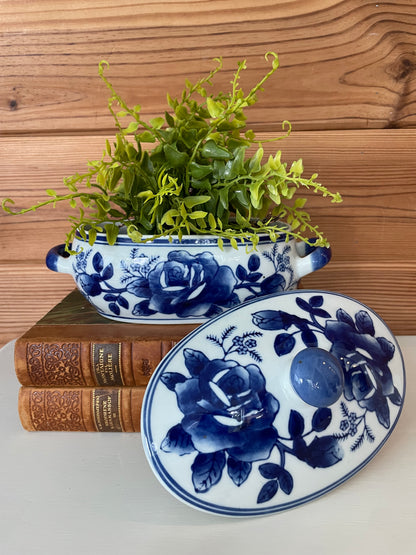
{"points": [[175, 158], [120, 147], [190, 202], [92, 235], [182, 211], [290, 192], [111, 232], [297, 167], [128, 179], [273, 193], [215, 109], [181, 112], [235, 167], [131, 128], [218, 168], [115, 177], [242, 198], [211, 221], [134, 233], [255, 161], [197, 214], [241, 221], [146, 137], [188, 137], [171, 101], [131, 152], [204, 184], [256, 194], [167, 135], [224, 197], [169, 119], [168, 217], [199, 171], [212, 150], [116, 214], [157, 122]]}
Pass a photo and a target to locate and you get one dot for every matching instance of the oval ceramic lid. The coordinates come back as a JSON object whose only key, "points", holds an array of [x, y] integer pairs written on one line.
{"points": [[273, 403]]}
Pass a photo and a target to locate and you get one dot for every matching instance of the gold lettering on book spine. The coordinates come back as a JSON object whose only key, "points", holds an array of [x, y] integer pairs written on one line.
{"points": [[106, 406], [106, 363], [54, 364], [52, 410]]}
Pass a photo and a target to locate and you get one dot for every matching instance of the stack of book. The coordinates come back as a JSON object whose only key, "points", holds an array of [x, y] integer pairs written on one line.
{"points": [[80, 371]]}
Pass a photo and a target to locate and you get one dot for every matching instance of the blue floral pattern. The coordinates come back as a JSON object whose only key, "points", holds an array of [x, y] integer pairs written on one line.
{"points": [[230, 425], [363, 356], [183, 284]]}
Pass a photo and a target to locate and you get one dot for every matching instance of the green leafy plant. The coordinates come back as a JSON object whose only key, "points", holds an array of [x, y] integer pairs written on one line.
{"points": [[196, 170]]}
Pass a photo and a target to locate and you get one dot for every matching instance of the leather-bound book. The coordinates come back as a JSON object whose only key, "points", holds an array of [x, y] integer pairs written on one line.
{"points": [[81, 409], [74, 346]]}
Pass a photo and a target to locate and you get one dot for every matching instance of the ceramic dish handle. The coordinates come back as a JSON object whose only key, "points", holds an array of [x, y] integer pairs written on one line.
{"points": [[310, 258], [59, 260]]}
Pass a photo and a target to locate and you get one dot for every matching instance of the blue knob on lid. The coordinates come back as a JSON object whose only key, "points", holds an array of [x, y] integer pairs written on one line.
{"points": [[317, 377]]}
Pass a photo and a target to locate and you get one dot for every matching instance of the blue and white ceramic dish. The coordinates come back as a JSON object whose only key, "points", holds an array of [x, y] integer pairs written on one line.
{"points": [[273, 403], [187, 281]]}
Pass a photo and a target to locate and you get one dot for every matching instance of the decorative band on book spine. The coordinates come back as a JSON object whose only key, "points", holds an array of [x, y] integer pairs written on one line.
{"points": [[106, 363], [106, 408], [54, 364], [56, 410]]}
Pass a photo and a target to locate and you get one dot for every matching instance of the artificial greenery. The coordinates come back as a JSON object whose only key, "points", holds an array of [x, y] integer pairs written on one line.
{"points": [[196, 170]]}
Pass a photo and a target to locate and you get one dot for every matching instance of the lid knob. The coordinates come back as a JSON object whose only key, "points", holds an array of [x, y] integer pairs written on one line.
{"points": [[317, 377]]}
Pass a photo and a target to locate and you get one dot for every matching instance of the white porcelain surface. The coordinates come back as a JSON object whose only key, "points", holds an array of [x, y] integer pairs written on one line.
{"points": [[224, 428], [187, 281]]}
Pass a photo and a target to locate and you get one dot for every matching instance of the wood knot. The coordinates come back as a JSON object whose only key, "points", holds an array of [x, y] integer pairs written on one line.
{"points": [[402, 68], [13, 104]]}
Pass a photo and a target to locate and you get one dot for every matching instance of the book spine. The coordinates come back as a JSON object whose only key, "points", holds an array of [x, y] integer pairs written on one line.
{"points": [[87, 363], [83, 409]]}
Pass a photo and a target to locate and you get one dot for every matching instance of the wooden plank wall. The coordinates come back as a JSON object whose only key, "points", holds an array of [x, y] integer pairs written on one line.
{"points": [[347, 83]]}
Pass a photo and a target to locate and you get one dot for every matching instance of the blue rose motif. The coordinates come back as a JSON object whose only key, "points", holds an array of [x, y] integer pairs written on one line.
{"points": [[365, 358], [226, 407], [228, 421], [190, 285]]}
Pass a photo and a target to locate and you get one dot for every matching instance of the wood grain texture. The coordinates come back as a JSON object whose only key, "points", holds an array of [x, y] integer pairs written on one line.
{"points": [[346, 83], [372, 233], [344, 64]]}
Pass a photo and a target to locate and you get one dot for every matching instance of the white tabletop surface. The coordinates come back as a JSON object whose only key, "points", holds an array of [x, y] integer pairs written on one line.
{"points": [[78, 493]]}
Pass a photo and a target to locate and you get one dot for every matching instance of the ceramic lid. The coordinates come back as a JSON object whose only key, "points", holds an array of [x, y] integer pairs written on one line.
{"points": [[273, 403]]}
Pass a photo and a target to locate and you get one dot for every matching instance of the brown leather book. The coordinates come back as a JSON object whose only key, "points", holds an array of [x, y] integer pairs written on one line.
{"points": [[72, 345], [81, 409]]}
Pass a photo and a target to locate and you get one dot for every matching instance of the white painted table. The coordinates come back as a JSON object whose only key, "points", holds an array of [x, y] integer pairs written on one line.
{"points": [[79, 493]]}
